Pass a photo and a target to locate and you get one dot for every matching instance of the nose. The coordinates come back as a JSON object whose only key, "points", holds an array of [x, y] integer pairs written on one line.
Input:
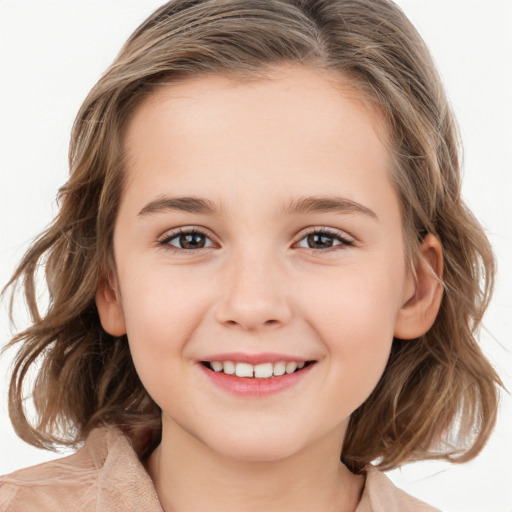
{"points": [[254, 294]]}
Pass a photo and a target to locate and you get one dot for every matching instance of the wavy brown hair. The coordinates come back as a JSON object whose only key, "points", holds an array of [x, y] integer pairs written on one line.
{"points": [[438, 395]]}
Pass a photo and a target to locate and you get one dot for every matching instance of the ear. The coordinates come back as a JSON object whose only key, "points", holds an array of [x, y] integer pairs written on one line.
{"points": [[424, 292], [108, 302]]}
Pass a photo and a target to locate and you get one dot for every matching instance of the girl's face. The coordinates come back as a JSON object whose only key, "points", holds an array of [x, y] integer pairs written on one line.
{"points": [[258, 226]]}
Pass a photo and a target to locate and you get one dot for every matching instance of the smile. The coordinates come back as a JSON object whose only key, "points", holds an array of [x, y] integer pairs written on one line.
{"points": [[258, 371], [264, 378]]}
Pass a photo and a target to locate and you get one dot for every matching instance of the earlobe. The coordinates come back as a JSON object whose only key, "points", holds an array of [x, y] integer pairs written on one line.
{"points": [[109, 308], [420, 309]]}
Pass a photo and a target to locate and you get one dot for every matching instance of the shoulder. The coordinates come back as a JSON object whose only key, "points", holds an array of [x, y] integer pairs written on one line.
{"points": [[105, 474], [381, 495]]}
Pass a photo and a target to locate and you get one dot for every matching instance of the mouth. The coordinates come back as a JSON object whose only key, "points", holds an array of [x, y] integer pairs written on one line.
{"points": [[258, 371]]}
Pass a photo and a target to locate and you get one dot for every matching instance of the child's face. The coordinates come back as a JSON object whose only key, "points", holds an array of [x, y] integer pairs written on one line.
{"points": [[255, 283]]}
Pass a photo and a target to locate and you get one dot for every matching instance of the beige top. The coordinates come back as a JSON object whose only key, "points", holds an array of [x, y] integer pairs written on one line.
{"points": [[106, 475]]}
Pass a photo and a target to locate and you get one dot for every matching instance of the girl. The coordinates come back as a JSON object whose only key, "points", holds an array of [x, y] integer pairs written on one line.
{"points": [[261, 262]]}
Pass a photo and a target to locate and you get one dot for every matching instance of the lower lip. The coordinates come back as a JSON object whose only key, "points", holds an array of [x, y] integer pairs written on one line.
{"points": [[252, 387]]}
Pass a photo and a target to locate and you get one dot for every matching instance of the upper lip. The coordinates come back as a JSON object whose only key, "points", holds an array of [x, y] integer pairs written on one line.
{"points": [[254, 359]]}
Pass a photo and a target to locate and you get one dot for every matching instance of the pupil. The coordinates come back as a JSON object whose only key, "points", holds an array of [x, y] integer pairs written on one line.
{"points": [[319, 240], [191, 241]]}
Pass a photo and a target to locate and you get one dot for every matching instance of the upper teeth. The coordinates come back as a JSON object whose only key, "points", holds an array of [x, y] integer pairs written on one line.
{"points": [[260, 371]]}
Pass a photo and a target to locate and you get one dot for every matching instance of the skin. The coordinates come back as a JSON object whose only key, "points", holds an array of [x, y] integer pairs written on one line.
{"points": [[260, 285]]}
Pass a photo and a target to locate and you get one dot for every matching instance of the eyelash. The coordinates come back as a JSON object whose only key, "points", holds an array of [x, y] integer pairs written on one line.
{"points": [[336, 236]]}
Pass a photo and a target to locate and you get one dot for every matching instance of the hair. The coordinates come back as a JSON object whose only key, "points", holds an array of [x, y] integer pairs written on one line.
{"points": [[438, 395]]}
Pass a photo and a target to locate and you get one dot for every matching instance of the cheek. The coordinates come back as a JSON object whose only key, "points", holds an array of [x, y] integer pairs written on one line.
{"points": [[161, 316], [355, 299], [355, 322], [354, 316]]}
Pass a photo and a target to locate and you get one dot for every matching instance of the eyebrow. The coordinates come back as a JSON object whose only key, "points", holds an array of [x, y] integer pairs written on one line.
{"points": [[326, 204], [300, 205], [183, 204]]}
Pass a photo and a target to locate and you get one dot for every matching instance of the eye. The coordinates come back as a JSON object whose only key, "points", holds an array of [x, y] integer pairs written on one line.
{"points": [[322, 240], [187, 240]]}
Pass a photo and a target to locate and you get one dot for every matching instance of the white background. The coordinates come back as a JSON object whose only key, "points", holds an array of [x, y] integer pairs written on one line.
{"points": [[52, 52]]}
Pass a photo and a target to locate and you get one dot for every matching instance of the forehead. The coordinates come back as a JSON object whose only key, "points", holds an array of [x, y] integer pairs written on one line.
{"points": [[316, 97], [294, 129]]}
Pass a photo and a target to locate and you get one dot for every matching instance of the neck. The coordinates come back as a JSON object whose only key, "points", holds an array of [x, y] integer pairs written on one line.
{"points": [[190, 476]]}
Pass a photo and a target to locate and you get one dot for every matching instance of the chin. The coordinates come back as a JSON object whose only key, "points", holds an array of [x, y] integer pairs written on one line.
{"points": [[254, 448]]}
